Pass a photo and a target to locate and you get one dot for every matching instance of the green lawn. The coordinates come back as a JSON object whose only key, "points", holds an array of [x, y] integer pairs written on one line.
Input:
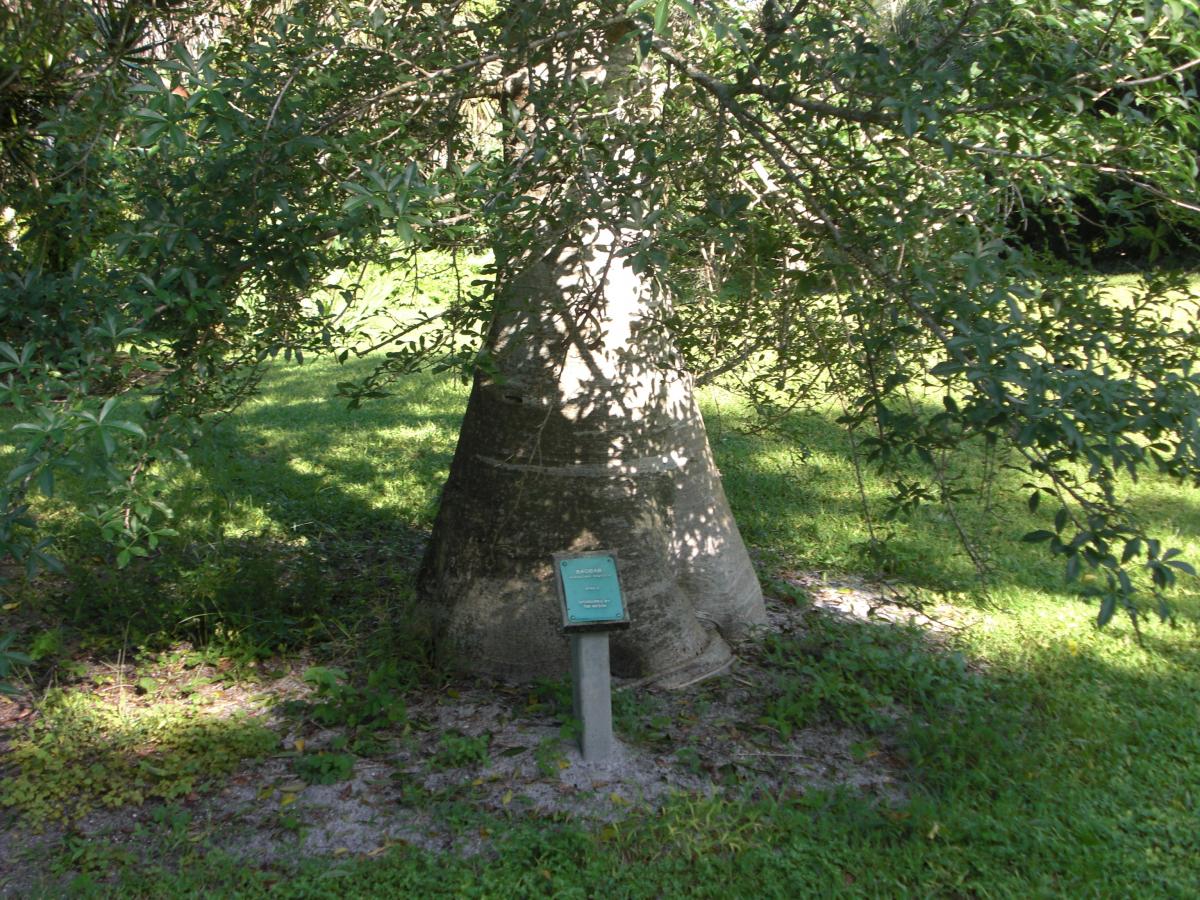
{"points": [[1062, 760]]}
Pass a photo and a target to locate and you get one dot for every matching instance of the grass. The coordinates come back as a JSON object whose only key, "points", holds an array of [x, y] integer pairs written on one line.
{"points": [[1047, 758]]}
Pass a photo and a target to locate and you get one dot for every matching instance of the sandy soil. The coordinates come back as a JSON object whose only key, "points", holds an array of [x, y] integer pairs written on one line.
{"points": [[702, 740]]}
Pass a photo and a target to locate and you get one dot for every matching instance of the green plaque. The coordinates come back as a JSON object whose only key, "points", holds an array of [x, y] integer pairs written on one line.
{"points": [[590, 590]]}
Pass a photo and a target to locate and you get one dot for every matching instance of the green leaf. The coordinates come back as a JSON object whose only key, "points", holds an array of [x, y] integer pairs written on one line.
{"points": [[1160, 575], [1073, 565], [149, 136], [19, 472], [46, 482], [131, 427], [1035, 537], [947, 367], [662, 14], [1182, 566]]}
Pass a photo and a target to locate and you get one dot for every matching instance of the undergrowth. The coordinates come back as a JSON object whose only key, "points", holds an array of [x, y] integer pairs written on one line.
{"points": [[83, 754], [859, 674], [1040, 755]]}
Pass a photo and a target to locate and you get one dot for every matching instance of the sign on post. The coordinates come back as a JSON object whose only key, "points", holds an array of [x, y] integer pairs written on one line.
{"points": [[589, 588]]}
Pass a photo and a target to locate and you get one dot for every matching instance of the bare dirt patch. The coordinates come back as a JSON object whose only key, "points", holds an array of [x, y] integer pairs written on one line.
{"points": [[473, 753]]}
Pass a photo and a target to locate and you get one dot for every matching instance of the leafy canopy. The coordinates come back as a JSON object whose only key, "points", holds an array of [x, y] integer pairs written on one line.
{"points": [[839, 197]]}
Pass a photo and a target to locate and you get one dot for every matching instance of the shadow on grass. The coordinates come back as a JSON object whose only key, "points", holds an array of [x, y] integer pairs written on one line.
{"points": [[1052, 774], [301, 519], [299, 516], [298, 519], [798, 498]]}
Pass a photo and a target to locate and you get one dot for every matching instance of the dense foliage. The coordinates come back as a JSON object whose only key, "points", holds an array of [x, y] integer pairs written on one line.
{"points": [[833, 192]]}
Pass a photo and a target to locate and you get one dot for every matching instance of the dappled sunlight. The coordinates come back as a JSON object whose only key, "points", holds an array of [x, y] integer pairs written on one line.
{"points": [[1050, 727], [305, 467], [387, 459], [582, 434], [108, 748], [794, 490], [1021, 625], [313, 477]]}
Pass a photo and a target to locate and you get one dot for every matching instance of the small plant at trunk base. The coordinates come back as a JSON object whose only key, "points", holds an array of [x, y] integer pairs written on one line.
{"points": [[456, 750], [548, 755], [324, 768], [365, 710], [638, 717], [551, 695]]}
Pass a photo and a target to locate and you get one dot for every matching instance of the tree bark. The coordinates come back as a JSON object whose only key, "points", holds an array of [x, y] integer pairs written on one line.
{"points": [[585, 435], [582, 433]]}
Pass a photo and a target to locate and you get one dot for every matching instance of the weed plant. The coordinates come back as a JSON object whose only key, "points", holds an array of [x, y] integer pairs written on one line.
{"points": [[458, 750], [862, 675], [82, 754], [324, 767]]}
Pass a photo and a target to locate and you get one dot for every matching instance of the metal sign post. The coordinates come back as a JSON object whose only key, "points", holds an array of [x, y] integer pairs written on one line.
{"points": [[589, 588]]}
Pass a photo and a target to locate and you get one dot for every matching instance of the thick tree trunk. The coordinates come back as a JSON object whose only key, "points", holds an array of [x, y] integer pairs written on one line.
{"points": [[585, 435], [582, 433]]}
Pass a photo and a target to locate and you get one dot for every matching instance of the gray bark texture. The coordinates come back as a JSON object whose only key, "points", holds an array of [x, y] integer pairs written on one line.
{"points": [[585, 435]]}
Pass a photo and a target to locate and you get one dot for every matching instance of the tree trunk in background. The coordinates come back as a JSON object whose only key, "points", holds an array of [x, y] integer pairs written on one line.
{"points": [[587, 437]]}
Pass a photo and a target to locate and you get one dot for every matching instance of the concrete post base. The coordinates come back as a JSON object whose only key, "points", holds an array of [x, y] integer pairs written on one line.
{"points": [[591, 685]]}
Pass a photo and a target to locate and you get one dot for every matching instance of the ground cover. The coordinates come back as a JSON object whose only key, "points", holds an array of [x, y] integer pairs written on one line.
{"points": [[255, 712]]}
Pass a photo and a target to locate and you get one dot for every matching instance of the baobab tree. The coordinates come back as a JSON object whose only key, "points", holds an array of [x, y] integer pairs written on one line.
{"points": [[804, 201]]}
